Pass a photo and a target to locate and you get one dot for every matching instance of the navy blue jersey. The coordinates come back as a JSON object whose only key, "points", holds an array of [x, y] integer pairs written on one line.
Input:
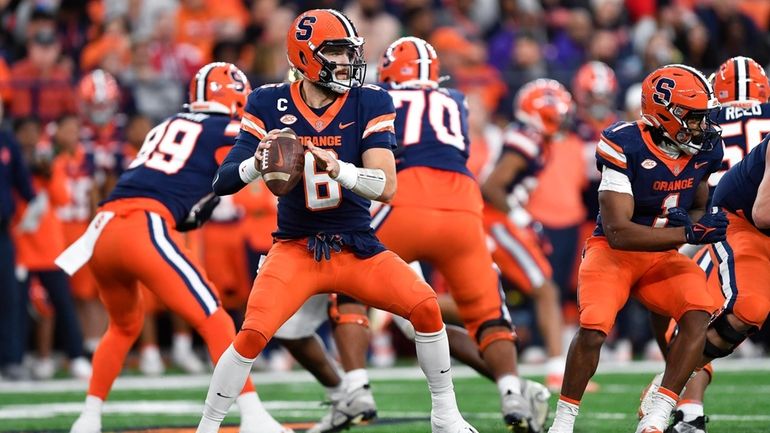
{"points": [[178, 161], [658, 182], [361, 119], [742, 130], [527, 144], [432, 127], [737, 190]]}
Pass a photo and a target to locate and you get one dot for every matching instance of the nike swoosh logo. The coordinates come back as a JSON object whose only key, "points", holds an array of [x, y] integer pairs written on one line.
{"points": [[445, 371], [345, 125], [700, 164], [219, 394], [279, 162]]}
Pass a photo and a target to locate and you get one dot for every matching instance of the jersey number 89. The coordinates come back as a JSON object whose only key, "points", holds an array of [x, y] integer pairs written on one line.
{"points": [[167, 146]]}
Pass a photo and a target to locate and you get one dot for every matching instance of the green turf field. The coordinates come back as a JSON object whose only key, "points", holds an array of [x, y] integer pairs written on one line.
{"points": [[737, 402]]}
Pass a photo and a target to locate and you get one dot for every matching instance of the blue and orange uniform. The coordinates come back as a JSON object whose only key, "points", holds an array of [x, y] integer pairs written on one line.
{"points": [[742, 130], [135, 239], [437, 195], [743, 259], [319, 210], [663, 281], [517, 250]]}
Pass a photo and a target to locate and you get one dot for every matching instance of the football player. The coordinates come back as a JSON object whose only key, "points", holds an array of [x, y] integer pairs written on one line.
{"points": [[438, 195], [742, 87], [542, 109], [653, 172], [135, 238], [324, 242]]}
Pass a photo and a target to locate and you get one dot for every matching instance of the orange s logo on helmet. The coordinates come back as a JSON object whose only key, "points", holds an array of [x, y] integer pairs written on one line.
{"points": [[409, 61], [99, 96], [544, 105], [219, 87], [676, 97], [741, 81], [310, 34]]}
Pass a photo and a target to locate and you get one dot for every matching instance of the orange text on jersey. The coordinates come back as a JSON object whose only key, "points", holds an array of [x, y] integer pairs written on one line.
{"points": [[321, 141], [674, 185]]}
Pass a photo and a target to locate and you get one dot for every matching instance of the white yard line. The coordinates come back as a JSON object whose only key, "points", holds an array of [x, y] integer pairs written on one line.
{"points": [[403, 373], [308, 409]]}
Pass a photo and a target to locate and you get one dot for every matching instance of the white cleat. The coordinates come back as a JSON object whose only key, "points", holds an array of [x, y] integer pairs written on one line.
{"points": [[459, 425], [539, 399], [80, 368], [645, 399], [150, 362], [355, 407], [87, 424], [43, 368], [187, 360]]}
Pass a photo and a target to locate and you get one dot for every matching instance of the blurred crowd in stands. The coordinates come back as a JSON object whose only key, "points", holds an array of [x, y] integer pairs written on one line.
{"points": [[82, 83]]}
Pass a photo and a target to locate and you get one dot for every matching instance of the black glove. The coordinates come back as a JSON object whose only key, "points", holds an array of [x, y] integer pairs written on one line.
{"points": [[712, 227], [199, 214], [322, 245]]}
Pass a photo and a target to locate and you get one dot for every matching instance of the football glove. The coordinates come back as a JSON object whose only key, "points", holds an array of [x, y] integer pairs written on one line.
{"points": [[712, 227], [199, 214], [322, 245]]}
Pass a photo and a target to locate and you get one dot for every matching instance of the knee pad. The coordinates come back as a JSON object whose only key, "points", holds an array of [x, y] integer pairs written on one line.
{"points": [[485, 339], [726, 332], [338, 318], [426, 316]]}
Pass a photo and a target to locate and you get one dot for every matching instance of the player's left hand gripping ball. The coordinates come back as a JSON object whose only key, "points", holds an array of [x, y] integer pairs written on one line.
{"points": [[282, 161]]}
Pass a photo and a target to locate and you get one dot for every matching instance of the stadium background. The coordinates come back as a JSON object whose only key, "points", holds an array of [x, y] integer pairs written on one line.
{"points": [[488, 49]]}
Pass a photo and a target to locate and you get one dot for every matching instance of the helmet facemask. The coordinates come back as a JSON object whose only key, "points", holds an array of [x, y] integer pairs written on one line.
{"points": [[699, 130], [327, 77]]}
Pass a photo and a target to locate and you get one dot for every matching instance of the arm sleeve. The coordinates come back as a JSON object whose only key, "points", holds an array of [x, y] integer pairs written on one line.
{"points": [[380, 116], [613, 180], [228, 180]]}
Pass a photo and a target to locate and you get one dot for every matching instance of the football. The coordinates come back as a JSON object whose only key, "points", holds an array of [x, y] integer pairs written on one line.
{"points": [[283, 162]]}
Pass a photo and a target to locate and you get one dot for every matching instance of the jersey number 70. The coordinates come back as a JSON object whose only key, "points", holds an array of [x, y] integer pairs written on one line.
{"points": [[436, 104]]}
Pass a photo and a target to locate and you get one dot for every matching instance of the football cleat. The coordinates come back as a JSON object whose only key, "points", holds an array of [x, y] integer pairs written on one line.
{"points": [[87, 424], [645, 399], [538, 396], [354, 408], [80, 368], [459, 425], [187, 360], [150, 361], [679, 425], [517, 412]]}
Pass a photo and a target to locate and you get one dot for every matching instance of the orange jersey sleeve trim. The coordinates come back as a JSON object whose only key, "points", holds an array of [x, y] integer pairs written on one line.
{"points": [[380, 123], [251, 124]]}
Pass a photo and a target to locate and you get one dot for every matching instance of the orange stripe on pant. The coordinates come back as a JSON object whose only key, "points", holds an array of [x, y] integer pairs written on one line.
{"points": [[667, 283], [453, 241], [290, 275], [139, 245]]}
